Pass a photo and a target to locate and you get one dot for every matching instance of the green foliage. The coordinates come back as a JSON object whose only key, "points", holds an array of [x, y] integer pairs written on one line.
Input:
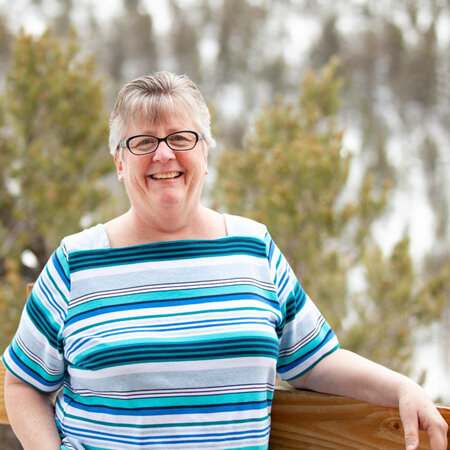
{"points": [[53, 134], [393, 306], [12, 298], [291, 176]]}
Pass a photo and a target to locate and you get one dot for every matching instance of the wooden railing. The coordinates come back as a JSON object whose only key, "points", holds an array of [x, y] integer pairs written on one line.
{"points": [[308, 420], [3, 416]]}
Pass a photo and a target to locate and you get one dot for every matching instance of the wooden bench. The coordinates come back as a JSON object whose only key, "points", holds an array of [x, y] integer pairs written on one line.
{"points": [[308, 420]]}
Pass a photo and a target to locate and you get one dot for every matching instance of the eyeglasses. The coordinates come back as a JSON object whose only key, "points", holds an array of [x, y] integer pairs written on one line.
{"points": [[180, 141]]}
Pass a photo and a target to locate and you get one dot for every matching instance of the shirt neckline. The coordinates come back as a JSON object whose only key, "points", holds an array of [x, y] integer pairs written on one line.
{"points": [[105, 237]]}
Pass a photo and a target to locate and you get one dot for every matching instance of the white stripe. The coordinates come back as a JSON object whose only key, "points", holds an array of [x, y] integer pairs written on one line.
{"points": [[30, 328], [156, 266], [310, 361], [174, 314], [164, 419], [20, 373], [164, 335], [185, 392], [35, 358], [57, 277], [171, 287], [308, 338], [230, 363]]}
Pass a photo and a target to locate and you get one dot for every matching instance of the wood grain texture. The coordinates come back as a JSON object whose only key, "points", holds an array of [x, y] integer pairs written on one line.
{"points": [[3, 416], [308, 420]]}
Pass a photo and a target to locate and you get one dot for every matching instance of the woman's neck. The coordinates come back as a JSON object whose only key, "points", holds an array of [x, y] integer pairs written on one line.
{"points": [[133, 229]]}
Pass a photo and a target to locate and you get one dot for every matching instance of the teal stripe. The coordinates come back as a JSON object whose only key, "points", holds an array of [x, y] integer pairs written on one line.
{"points": [[55, 285], [313, 364], [169, 246], [161, 402], [32, 365], [209, 340], [26, 381], [168, 294], [169, 316], [63, 261], [302, 351], [171, 425]]}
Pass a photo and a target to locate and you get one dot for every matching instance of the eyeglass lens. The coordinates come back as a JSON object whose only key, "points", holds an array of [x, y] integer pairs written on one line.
{"points": [[180, 141]]}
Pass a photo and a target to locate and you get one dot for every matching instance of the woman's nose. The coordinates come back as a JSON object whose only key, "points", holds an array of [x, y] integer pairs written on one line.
{"points": [[163, 153]]}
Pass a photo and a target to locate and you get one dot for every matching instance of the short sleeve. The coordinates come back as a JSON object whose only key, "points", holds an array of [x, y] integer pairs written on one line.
{"points": [[305, 336], [35, 354]]}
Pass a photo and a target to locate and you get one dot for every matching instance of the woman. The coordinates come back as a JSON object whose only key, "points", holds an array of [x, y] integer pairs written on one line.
{"points": [[165, 326]]}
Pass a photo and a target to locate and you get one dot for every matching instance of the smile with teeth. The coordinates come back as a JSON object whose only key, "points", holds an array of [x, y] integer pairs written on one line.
{"points": [[165, 176]]}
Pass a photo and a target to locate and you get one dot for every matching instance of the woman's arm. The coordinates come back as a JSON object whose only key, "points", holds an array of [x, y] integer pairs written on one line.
{"points": [[350, 375], [31, 415]]}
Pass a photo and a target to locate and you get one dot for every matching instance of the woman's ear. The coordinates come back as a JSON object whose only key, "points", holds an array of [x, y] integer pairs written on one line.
{"points": [[119, 166]]}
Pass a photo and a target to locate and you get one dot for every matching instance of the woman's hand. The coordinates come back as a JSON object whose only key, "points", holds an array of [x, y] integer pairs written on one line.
{"points": [[417, 411]]}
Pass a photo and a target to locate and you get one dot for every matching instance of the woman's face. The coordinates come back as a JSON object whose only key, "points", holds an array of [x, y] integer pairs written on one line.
{"points": [[165, 178]]}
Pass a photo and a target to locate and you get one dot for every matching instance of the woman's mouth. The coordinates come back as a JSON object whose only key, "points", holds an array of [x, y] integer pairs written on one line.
{"points": [[166, 175]]}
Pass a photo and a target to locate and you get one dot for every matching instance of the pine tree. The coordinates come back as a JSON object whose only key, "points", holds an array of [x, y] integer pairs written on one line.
{"points": [[291, 176], [53, 134], [395, 303]]}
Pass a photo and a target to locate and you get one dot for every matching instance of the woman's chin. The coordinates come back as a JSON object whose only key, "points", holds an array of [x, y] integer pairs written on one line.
{"points": [[169, 199]]}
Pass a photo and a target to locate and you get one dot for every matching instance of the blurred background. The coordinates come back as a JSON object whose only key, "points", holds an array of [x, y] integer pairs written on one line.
{"points": [[333, 128]]}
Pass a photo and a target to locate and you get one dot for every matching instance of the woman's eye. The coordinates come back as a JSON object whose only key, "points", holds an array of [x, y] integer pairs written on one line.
{"points": [[146, 142], [178, 137]]}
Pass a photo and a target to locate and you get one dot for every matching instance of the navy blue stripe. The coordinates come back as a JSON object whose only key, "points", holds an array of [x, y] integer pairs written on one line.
{"points": [[48, 295], [135, 259], [188, 350], [47, 328], [167, 302], [296, 304], [171, 246], [157, 252], [169, 439], [59, 268], [32, 373], [193, 325], [171, 409], [162, 356], [271, 250], [284, 368]]}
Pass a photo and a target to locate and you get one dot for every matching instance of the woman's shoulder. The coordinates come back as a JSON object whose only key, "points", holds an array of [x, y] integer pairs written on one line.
{"points": [[88, 239], [243, 226]]}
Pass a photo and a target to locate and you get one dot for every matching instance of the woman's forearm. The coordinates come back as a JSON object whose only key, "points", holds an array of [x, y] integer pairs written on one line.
{"points": [[31, 415], [350, 375]]}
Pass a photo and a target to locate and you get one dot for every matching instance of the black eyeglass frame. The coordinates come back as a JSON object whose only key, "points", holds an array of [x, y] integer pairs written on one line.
{"points": [[126, 142]]}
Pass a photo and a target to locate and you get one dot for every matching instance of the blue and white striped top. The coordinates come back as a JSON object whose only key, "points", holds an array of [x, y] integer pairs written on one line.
{"points": [[169, 345]]}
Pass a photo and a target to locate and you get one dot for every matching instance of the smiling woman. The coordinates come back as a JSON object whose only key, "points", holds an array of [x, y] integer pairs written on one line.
{"points": [[164, 185], [160, 136], [166, 326]]}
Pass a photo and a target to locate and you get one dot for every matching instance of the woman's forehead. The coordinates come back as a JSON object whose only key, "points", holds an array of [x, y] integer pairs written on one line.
{"points": [[145, 124], [161, 109]]}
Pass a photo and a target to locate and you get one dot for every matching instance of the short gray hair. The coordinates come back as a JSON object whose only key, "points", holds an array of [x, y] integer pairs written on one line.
{"points": [[159, 96]]}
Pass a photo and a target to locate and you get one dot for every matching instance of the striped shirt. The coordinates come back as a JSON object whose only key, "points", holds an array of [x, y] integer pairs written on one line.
{"points": [[169, 345]]}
